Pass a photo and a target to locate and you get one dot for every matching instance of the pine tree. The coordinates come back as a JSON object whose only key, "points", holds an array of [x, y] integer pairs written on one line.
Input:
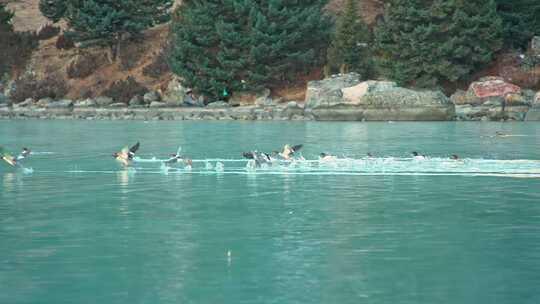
{"points": [[428, 42], [5, 18], [238, 45], [349, 51], [53, 9], [108, 20], [207, 46], [287, 38], [6, 36], [521, 21]]}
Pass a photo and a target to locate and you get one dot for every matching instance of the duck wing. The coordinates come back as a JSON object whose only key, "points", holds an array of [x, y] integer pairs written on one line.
{"points": [[248, 155], [9, 159], [267, 157], [134, 148], [297, 148]]}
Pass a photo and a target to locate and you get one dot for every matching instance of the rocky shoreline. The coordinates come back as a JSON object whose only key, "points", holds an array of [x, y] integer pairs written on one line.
{"points": [[339, 98]]}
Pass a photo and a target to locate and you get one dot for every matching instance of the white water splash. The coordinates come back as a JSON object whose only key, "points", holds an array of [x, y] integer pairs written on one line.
{"points": [[27, 170], [220, 167]]}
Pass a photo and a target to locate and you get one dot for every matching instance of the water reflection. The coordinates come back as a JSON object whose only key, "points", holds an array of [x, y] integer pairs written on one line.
{"points": [[10, 180], [123, 177]]}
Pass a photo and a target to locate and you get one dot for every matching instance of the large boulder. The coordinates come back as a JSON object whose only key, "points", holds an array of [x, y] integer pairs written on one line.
{"points": [[245, 98], [175, 93], [136, 101], [157, 104], [104, 101], [85, 103], [536, 101], [28, 102], [491, 98], [344, 97], [493, 87], [3, 99], [217, 105], [151, 97], [328, 92], [534, 111], [64, 103], [117, 105], [355, 94]]}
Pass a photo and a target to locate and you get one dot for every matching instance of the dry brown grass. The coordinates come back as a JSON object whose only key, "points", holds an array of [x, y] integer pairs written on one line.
{"points": [[368, 9], [48, 59]]}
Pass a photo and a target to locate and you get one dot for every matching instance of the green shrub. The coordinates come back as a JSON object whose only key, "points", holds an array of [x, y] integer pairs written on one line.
{"points": [[124, 90], [28, 86]]}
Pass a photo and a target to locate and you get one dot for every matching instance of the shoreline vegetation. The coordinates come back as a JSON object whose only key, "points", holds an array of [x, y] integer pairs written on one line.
{"points": [[271, 60]]}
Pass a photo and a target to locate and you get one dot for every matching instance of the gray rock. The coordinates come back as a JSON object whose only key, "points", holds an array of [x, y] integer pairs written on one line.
{"points": [[175, 93], [533, 114], [103, 101], [404, 98], [536, 101], [346, 98], [247, 98], [535, 46], [490, 90], [157, 104], [137, 101], [191, 101], [459, 97], [328, 92], [516, 113], [492, 98], [262, 98], [27, 103], [86, 103], [292, 105], [117, 105], [493, 102], [218, 104], [151, 97], [9, 88], [479, 112], [529, 96], [44, 102], [3, 99], [64, 103], [268, 102], [381, 114]]}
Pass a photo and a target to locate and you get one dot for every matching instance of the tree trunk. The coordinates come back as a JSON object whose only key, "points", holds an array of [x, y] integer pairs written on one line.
{"points": [[115, 47]]}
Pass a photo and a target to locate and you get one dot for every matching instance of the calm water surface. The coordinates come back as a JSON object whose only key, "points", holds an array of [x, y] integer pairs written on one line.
{"points": [[77, 228]]}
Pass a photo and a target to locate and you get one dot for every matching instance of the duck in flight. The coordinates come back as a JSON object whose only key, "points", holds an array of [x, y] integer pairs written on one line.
{"points": [[417, 155], [177, 158], [11, 160], [126, 155], [260, 158], [288, 151], [327, 157]]}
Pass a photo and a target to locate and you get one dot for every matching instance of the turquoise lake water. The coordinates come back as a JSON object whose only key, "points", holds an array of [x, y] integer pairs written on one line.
{"points": [[75, 227]]}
